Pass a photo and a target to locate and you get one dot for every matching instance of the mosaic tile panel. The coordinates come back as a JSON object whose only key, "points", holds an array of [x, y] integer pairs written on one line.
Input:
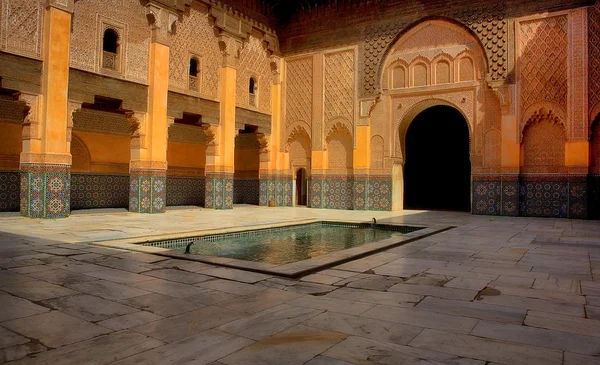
{"points": [[540, 198], [379, 195], [487, 197], [578, 192], [90, 191], [276, 188], [9, 191], [246, 191], [315, 192], [185, 191], [147, 191], [45, 191], [360, 191], [510, 196], [219, 191], [338, 192], [593, 191]]}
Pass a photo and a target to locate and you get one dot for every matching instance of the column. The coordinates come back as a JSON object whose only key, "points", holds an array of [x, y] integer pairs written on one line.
{"points": [[148, 166], [510, 160], [361, 161], [45, 160], [220, 160], [318, 159]]}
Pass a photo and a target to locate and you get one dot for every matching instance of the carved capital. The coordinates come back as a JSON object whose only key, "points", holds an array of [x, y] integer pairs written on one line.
{"points": [[275, 63], [162, 21], [230, 48], [31, 117], [263, 142], [74, 106], [137, 127], [66, 5]]}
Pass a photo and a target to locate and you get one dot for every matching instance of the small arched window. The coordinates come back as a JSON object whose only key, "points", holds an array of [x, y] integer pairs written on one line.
{"points": [[194, 66], [110, 49], [252, 92]]}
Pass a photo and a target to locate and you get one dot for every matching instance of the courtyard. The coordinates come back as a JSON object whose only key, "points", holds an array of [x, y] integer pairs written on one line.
{"points": [[492, 290]]}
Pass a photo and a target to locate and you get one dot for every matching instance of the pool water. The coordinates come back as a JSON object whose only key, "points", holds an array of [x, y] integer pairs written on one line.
{"points": [[291, 244]]}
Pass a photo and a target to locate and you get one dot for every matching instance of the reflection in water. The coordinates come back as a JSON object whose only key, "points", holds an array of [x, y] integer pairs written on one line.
{"points": [[291, 245]]}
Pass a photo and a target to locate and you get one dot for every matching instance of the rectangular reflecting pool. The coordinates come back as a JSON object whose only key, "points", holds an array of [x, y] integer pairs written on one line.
{"points": [[291, 250]]}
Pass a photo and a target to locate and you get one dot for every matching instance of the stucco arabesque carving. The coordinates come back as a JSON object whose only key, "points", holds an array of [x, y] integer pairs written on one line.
{"points": [[540, 111], [137, 123], [162, 21], [297, 131], [31, 117]]}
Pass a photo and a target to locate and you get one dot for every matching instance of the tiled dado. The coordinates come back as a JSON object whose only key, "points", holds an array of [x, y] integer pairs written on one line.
{"points": [[185, 190], [557, 196], [219, 190], [147, 191], [246, 191], [45, 190], [276, 188], [89, 191], [351, 192], [593, 196], [9, 191]]}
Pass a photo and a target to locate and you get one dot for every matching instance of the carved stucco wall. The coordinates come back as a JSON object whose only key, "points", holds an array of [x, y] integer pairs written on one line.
{"points": [[254, 62], [128, 17], [298, 94], [195, 36], [339, 89], [544, 147], [487, 22], [542, 65], [21, 27], [594, 60]]}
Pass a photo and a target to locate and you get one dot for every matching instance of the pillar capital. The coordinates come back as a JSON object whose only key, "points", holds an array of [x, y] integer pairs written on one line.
{"points": [[65, 5], [230, 49], [275, 63], [162, 21]]}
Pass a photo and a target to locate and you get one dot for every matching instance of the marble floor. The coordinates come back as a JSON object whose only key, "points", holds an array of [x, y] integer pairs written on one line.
{"points": [[493, 290]]}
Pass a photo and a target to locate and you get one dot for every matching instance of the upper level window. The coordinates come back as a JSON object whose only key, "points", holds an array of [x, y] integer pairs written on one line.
{"points": [[194, 65], [110, 49], [252, 92]]}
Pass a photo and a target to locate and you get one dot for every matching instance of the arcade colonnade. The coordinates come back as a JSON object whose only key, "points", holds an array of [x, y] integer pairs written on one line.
{"points": [[192, 103]]}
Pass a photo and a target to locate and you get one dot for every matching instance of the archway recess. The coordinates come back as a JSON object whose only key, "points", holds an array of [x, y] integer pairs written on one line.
{"points": [[437, 167]]}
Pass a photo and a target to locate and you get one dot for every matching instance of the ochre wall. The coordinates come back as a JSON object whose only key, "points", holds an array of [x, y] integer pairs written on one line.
{"points": [[109, 153]]}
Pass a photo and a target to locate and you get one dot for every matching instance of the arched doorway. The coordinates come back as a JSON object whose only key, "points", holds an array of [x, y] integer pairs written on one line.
{"points": [[301, 187], [437, 169]]}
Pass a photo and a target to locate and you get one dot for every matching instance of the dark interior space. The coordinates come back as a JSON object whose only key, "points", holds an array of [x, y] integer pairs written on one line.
{"points": [[437, 170]]}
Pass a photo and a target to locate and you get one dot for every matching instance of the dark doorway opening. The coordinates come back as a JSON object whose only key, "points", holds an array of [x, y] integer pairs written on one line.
{"points": [[301, 187], [437, 170]]}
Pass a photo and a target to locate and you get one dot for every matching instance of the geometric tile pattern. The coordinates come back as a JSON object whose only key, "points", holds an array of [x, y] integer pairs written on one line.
{"points": [[9, 191], [90, 191], [593, 191], [147, 191], [276, 188], [246, 191], [219, 190], [45, 190], [185, 191], [555, 196], [360, 192]]}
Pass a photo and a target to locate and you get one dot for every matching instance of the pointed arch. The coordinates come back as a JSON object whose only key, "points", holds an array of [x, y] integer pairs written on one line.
{"points": [[80, 154]]}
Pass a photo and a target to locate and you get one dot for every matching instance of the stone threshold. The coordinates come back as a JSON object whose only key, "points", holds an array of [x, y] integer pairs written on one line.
{"points": [[290, 270]]}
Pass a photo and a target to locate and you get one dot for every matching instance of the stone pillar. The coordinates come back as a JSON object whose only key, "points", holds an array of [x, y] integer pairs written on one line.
{"points": [[220, 158], [510, 159], [45, 160], [361, 161], [148, 166]]}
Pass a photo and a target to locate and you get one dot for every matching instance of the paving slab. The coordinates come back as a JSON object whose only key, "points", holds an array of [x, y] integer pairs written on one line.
{"points": [[8, 339], [179, 276], [129, 320], [321, 279], [531, 303], [553, 321], [88, 307], [473, 310], [269, 322], [358, 350], [539, 337], [365, 327], [578, 359], [188, 324], [439, 292], [36, 290], [20, 351], [376, 297], [169, 288], [424, 319], [108, 290], [133, 266], [231, 287], [102, 350], [236, 275], [467, 283], [210, 297], [332, 304], [259, 301], [513, 281], [14, 307], [55, 329], [199, 349], [295, 346], [118, 276], [162, 305], [485, 349], [324, 360]]}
